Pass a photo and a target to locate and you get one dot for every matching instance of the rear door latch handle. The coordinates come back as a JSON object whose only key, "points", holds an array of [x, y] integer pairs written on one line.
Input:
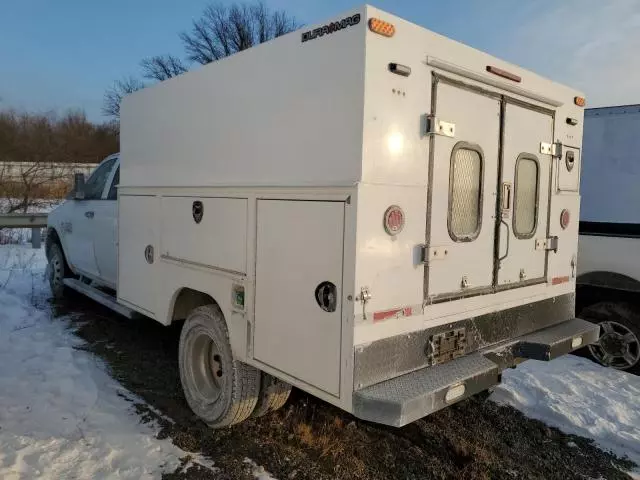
{"points": [[89, 214]]}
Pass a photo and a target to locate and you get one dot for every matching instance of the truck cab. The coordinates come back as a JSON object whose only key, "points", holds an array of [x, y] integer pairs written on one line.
{"points": [[87, 225]]}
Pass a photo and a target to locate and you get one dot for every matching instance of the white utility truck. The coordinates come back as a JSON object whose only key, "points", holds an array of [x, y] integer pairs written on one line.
{"points": [[608, 283], [363, 209]]}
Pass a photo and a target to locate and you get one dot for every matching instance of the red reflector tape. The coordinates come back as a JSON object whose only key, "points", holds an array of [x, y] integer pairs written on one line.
{"points": [[559, 280], [398, 312]]}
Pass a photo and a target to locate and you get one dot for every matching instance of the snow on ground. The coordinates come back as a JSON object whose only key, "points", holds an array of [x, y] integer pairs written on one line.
{"points": [[579, 397], [61, 415]]}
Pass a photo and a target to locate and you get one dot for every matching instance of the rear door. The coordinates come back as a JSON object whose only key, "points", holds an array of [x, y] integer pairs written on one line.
{"points": [[461, 221], [105, 232], [488, 208], [525, 177]]}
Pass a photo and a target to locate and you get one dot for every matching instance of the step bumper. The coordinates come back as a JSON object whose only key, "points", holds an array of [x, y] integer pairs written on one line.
{"points": [[406, 398]]}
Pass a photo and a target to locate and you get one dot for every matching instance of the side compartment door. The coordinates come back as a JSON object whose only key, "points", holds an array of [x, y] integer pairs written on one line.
{"points": [[298, 310], [462, 207], [524, 196]]}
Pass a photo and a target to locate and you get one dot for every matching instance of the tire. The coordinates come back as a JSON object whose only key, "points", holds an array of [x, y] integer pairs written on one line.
{"points": [[274, 393], [56, 271], [219, 389], [619, 343]]}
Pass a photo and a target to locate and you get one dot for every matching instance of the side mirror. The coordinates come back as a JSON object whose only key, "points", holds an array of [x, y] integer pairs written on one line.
{"points": [[78, 186]]}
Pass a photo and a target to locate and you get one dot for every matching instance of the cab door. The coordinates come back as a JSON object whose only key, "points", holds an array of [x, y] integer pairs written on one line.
{"points": [[80, 218], [524, 197], [105, 231], [461, 212]]}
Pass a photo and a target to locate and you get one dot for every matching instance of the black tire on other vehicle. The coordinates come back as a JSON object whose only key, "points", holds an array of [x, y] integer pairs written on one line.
{"points": [[619, 343], [274, 393], [57, 271], [219, 389]]}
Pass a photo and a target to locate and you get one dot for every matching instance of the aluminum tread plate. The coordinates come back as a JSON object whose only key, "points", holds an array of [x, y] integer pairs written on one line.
{"points": [[406, 398], [552, 342]]}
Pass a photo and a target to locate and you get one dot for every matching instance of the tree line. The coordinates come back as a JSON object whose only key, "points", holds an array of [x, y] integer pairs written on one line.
{"points": [[34, 149], [219, 32]]}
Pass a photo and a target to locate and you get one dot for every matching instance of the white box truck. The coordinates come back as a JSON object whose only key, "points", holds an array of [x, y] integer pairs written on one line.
{"points": [[608, 280], [364, 209]]}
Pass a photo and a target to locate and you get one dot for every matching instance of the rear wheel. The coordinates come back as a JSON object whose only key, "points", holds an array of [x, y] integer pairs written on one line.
{"points": [[619, 343], [219, 389], [274, 393], [56, 271]]}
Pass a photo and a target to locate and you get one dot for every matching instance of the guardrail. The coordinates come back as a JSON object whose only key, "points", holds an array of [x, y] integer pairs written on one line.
{"points": [[34, 221]]}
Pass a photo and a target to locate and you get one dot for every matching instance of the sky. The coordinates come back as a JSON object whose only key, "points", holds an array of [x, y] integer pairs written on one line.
{"points": [[64, 54]]}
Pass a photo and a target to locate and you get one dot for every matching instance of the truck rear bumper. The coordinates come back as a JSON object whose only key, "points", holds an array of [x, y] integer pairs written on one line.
{"points": [[406, 398]]}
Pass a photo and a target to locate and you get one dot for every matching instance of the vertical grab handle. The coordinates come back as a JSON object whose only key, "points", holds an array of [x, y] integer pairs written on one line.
{"points": [[506, 200], [506, 254]]}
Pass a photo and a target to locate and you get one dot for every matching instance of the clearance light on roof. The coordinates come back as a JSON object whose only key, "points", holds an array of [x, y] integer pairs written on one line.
{"points": [[381, 27], [504, 74], [580, 101]]}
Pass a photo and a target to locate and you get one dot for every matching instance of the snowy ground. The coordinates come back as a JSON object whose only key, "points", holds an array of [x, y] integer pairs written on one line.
{"points": [[61, 415], [579, 397]]}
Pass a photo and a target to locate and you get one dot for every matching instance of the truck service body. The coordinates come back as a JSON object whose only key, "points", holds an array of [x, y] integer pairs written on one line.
{"points": [[378, 215]]}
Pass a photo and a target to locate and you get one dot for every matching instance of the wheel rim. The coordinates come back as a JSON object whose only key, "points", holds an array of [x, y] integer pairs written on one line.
{"points": [[205, 367], [55, 273], [617, 347]]}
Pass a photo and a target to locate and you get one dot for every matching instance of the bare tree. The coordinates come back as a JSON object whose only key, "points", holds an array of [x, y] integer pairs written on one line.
{"points": [[38, 153], [222, 31], [113, 96], [162, 67]]}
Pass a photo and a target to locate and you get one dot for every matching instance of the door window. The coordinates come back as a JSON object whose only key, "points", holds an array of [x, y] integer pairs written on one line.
{"points": [[525, 208], [113, 191], [96, 182], [465, 192]]}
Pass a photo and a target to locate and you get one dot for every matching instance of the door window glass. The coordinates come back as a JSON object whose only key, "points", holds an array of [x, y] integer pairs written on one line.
{"points": [[96, 182], [525, 208], [465, 192], [113, 191]]}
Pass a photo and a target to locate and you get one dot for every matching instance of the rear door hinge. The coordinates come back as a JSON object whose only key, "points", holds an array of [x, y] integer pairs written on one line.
{"points": [[553, 149], [550, 243], [431, 254], [435, 126]]}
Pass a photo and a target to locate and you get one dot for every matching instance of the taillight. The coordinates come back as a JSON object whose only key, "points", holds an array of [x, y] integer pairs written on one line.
{"points": [[565, 217], [393, 220]]}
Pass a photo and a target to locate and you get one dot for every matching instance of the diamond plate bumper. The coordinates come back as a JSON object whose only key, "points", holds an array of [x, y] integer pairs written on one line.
{"points": [[406, 398]]}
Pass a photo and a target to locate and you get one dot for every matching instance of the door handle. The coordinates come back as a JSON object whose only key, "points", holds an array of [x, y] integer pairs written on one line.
{"points": [[89, 214], [506, 199], [506, 254]]}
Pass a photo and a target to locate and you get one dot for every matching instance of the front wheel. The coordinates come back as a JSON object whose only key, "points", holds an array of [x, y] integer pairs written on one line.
{"points": [[219, 389], [619, 343], [56, 271]]}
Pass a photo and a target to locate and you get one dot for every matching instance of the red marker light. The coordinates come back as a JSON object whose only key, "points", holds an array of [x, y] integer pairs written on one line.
{"points": [[393, 220], [565, 217]]}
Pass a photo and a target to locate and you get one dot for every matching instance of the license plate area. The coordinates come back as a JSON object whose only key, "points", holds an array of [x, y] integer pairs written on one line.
{"points": [[446, 346]]}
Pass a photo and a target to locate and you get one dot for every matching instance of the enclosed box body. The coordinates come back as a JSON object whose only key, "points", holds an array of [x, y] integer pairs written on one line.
{"points": [[378, 217], [610, 216]]}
